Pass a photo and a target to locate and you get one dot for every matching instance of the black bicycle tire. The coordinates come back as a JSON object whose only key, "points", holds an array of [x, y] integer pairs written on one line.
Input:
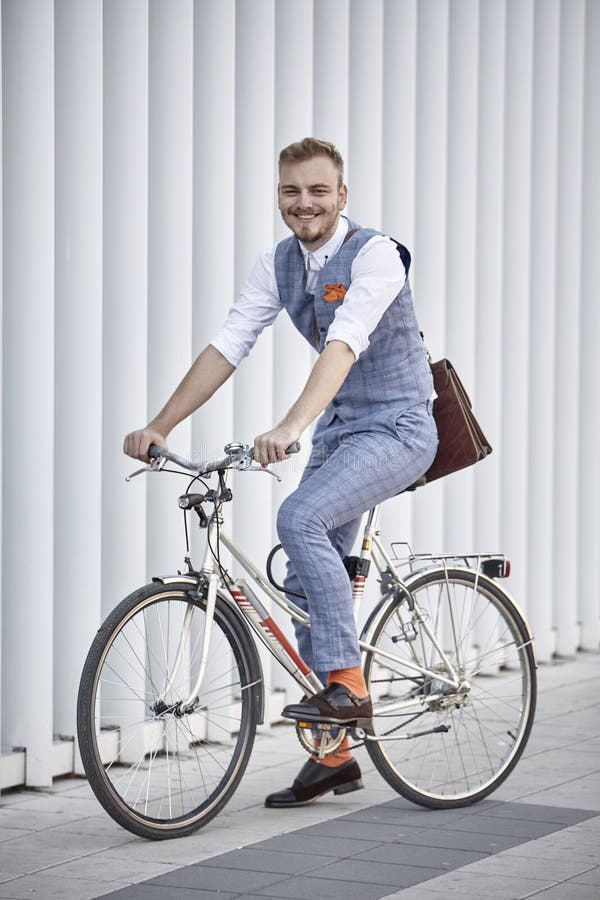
{"points": [[242, 646], [376, 752]]}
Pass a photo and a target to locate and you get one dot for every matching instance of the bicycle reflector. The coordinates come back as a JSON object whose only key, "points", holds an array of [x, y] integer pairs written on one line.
{"points": [[495, 567]]}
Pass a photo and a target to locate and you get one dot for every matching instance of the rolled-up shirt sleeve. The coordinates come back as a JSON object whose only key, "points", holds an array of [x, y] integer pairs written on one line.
{"points": [[256, 307], [377, 277]]}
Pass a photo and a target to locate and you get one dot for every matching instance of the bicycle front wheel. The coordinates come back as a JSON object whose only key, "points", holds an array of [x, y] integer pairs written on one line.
{"points": [[160, 766], [471, 734]]}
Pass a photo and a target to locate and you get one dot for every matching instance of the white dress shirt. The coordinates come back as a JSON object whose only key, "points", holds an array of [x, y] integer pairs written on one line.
{"points": [[377, 276]]}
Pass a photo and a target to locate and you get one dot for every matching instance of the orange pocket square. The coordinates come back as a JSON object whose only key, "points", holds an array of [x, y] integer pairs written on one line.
{"points": [[334, 292]]}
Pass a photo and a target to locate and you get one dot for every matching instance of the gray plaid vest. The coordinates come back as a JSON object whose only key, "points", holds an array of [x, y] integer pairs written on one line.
{"points": [[393, 372]]}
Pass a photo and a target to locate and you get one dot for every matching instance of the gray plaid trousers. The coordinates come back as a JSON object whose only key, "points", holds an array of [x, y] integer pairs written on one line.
{"points": [[353, 466]]}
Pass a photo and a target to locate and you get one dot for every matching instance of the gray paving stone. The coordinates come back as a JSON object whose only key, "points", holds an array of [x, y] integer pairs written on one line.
{"points": [[515, 827], [106, 868], [462, 840], [364, 871], [215, 878], [583, 793], [344, 827], [535, 812], [402, 803], [29, 854], [310, 888], [584, 855], [466, 883], [558, 869], [7, 834], [49, 888], [305, 842], [591, 876], [97, 826], [396, 815], [444, 858], [36, 820], [567, 891], [254, 860], [149, 892]]}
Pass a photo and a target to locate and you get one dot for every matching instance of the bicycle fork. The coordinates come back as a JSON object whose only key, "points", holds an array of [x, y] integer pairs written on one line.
{"points": [[188, 705]]}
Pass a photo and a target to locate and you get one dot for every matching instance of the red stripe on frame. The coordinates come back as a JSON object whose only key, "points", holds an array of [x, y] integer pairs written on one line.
{"points": [[269, 623]]}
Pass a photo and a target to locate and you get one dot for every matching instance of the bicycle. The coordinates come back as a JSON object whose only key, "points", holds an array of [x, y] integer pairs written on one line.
{"points": [[172, 690]]}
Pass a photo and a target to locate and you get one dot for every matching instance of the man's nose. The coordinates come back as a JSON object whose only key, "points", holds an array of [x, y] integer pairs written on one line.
{"points": [[304, 200]]}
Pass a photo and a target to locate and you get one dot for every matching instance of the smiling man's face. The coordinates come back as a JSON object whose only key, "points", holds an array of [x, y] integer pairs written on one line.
{"points": [[311, 199]]}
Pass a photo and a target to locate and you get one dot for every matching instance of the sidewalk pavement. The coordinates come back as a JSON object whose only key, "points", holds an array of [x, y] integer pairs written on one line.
{"points": [[537, 836]]}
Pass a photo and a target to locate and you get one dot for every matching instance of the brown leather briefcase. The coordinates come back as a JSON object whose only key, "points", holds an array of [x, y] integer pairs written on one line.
{"points": [[461, 440]]}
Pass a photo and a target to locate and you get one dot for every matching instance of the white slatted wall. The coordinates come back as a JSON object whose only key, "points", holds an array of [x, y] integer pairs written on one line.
{"points": [[138, 184]]}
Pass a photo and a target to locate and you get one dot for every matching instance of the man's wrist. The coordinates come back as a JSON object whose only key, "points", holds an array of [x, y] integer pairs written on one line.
{"points": [[161, 426]]}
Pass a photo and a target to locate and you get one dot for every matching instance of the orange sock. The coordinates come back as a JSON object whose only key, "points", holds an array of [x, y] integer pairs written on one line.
{"points": [[354, 680], [342, 755]]}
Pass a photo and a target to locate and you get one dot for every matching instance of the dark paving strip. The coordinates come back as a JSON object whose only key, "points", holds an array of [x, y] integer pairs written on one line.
{"points": [[363, 855]]}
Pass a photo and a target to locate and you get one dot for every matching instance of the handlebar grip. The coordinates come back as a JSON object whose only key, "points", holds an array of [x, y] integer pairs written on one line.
{"points": [[155, 452], [294, 448]]}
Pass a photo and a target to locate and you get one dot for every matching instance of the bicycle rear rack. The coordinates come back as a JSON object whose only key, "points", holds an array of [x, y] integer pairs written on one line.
{"points": [[494, 565]]}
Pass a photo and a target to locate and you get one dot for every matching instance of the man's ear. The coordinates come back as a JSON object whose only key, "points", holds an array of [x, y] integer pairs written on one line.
{"points": [[343, 196]]}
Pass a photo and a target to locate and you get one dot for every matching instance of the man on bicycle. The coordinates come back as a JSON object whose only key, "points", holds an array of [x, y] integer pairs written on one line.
{"points": [[346, 290]]}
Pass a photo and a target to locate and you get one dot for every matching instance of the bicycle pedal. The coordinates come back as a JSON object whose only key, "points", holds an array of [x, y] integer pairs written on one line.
{"points": [[362, 729]]}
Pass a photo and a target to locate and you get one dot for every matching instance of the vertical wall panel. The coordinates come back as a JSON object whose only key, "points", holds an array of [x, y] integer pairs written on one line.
{"points": [[331, 71], [515, 289], [399, 91], [292, 356], [461, 230], [213, 206], [293, 121], [170, 131], [430, 223], [1, 356], [398, 175], [255, 184], [541, 333], [28, 409], [588, 479], [125, 291], [365, 111], [568, 292], [488, 284], [78, 345]]}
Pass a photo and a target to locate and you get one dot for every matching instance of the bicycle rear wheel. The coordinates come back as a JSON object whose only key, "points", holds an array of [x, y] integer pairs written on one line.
{"points": [[482, 726], [160, 770]]}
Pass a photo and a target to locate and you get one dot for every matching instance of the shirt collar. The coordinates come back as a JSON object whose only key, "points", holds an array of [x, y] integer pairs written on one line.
{"points": [[326, 251]]}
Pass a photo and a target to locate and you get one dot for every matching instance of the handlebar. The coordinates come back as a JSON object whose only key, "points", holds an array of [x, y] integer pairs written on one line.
{"points": [[237, 455]]}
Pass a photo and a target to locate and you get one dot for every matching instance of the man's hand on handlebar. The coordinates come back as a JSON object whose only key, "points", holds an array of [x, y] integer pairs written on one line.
{"points": [[272, 446], [136, 443]]}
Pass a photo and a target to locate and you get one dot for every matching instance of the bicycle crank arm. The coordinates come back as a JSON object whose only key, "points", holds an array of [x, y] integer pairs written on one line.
{"points": [[360, 735]]}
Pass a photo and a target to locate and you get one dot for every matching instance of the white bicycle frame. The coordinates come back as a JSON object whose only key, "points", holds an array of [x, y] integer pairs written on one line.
{"points": [[269, 632]]}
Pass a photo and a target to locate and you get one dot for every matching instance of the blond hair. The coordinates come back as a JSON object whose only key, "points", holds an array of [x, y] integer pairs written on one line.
{"points": [[310, 147]]}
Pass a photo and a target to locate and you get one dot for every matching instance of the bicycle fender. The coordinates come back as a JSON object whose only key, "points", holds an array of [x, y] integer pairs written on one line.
{"points": [[493, 585], [255, 662], [375, 613]]}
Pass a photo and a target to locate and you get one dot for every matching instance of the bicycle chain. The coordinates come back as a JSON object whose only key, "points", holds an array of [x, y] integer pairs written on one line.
{"points": [[385, 733]]}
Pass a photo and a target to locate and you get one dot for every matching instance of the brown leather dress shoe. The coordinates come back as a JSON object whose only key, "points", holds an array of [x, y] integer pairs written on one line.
{"points": [[314, 780], [335, 703]]}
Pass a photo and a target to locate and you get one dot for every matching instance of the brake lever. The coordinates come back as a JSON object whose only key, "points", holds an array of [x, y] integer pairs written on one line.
{"points": [[154, 466], [258, 468]]}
